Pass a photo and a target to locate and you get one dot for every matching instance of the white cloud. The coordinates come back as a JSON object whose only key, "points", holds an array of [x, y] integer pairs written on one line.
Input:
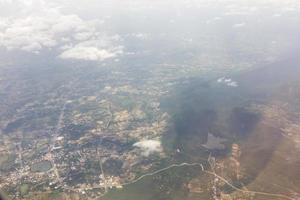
{"points": [[227, 81], [87, 53], [29, 34], [149, 147], [81, 36], [42, 31], [43, 26], [232, 84], [94, 50], [220, 80]]}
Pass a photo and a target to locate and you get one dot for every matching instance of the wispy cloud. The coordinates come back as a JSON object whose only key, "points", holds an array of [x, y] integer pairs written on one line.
{"points": [[227, 81], [148, 147]]}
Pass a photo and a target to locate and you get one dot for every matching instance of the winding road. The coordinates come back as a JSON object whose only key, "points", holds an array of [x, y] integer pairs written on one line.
{"points": [[213, 174]]}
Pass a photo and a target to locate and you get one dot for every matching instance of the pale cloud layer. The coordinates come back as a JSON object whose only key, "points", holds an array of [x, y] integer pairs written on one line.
{"points": [[70, 28], [46, 28]]}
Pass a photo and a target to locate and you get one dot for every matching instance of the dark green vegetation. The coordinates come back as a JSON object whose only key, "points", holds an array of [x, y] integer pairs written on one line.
{"points": [[199, 108], [24, 188], [75, 131], [167, 185]]}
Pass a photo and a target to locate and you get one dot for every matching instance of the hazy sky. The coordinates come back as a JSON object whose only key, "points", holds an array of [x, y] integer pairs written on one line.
{"points": [[96, 30]]}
